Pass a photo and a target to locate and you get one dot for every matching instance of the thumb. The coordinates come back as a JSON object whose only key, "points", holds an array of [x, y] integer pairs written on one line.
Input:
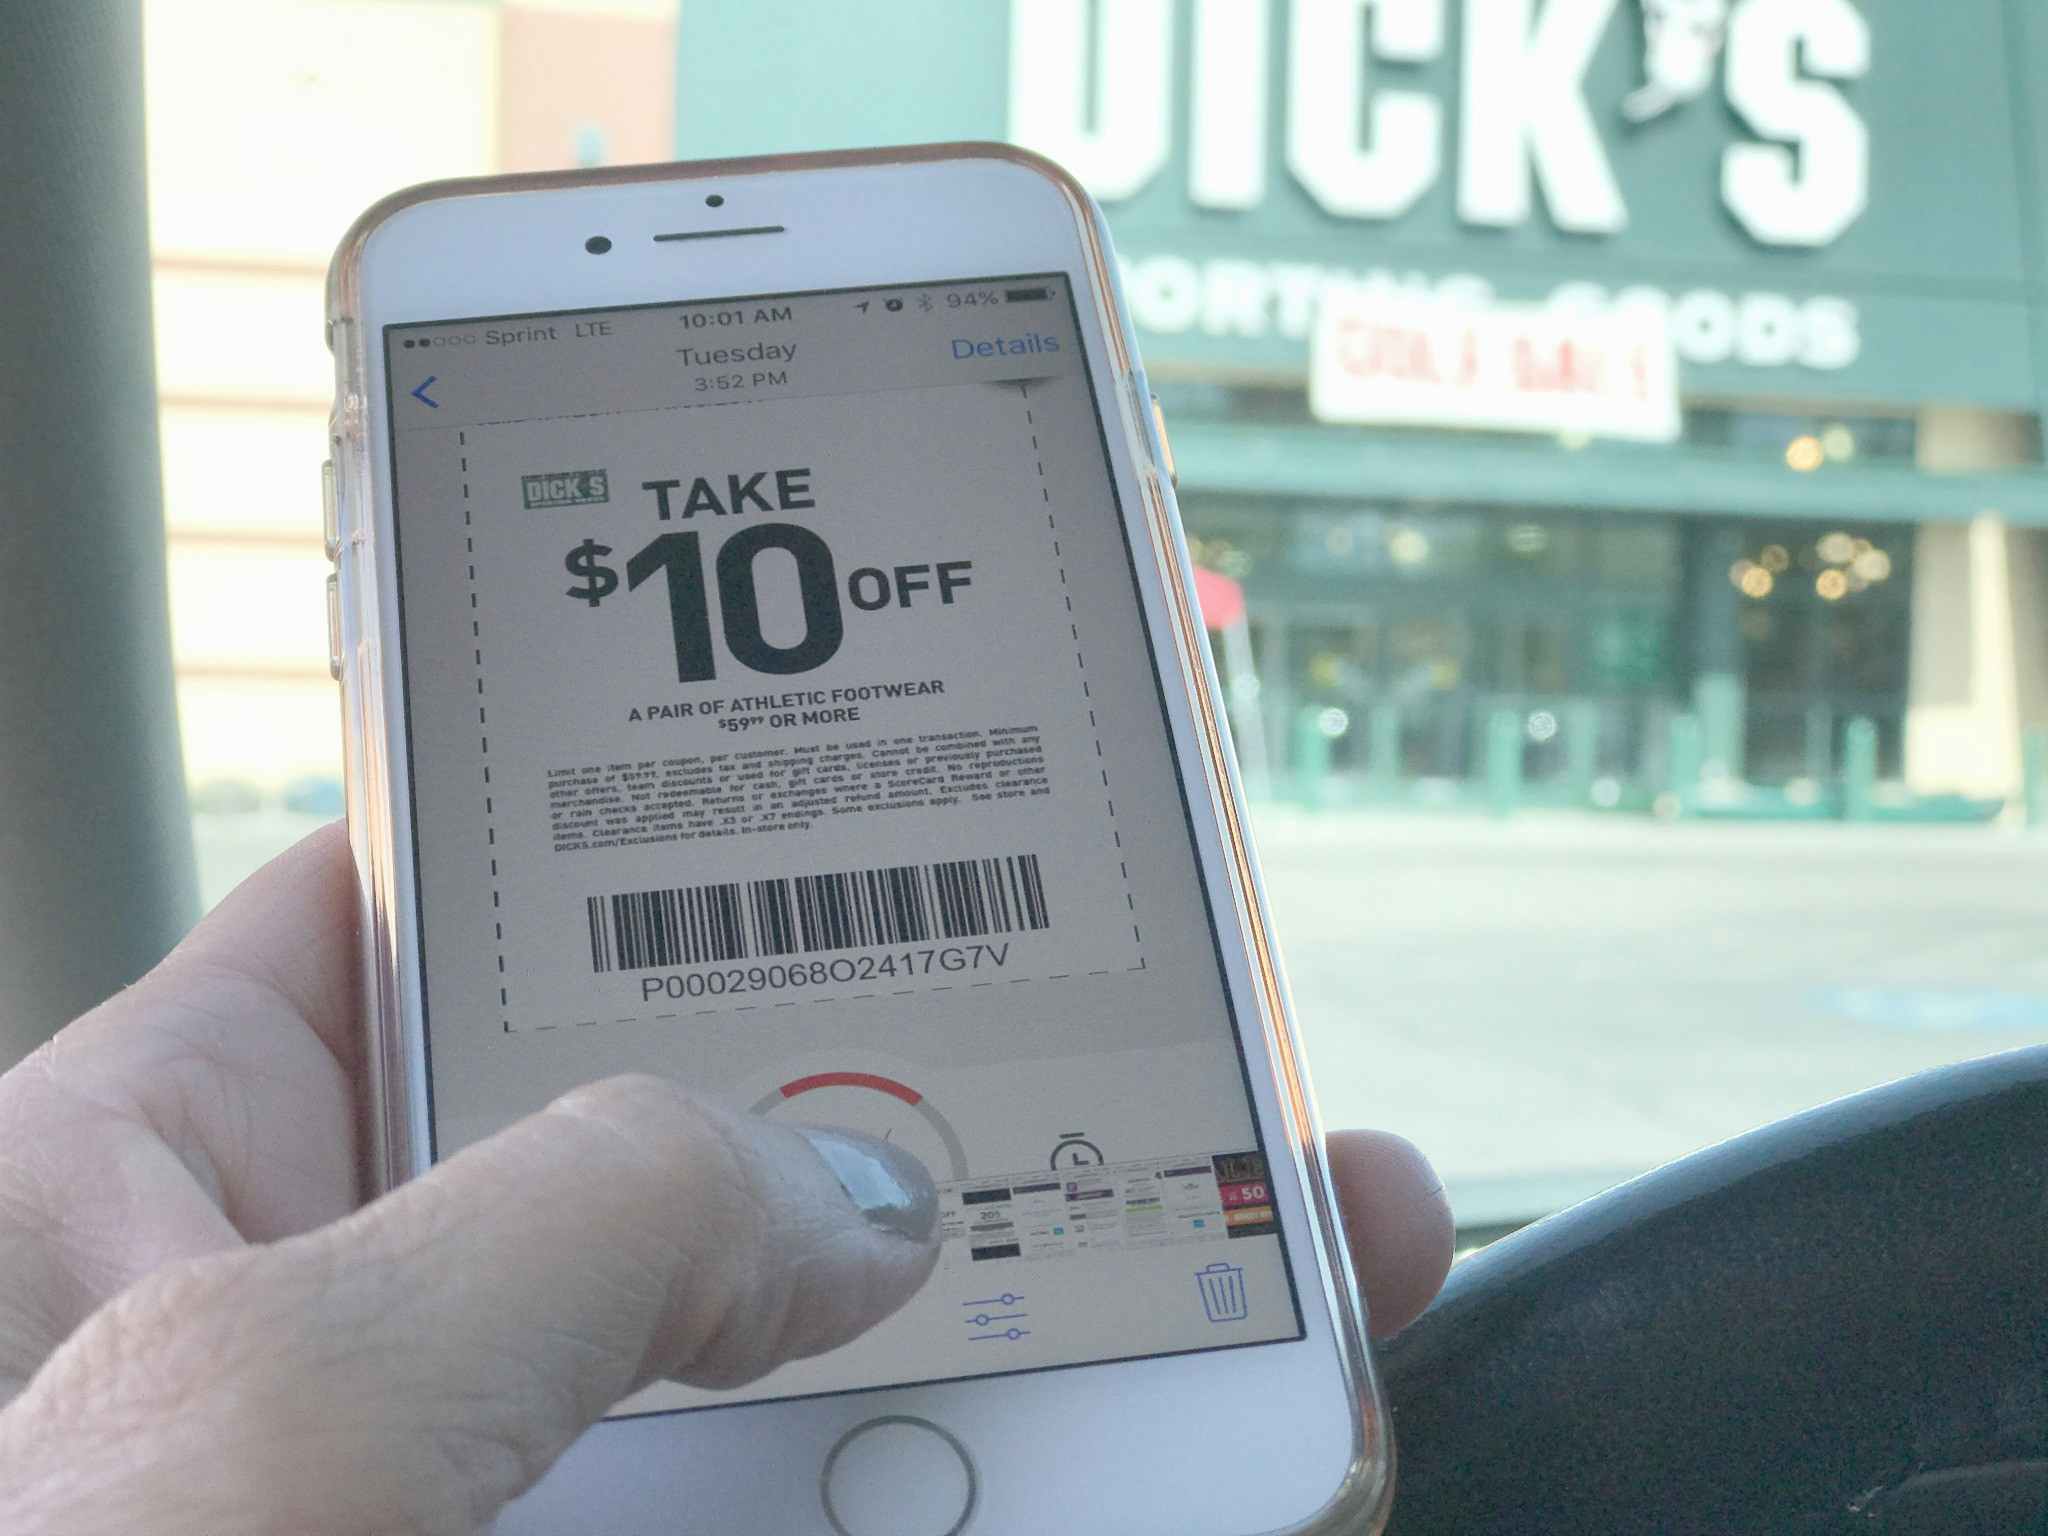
{"points": [[423, 1362]]}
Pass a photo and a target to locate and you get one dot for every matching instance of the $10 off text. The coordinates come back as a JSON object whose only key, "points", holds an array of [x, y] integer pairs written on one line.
{"points": [[678, 556]]}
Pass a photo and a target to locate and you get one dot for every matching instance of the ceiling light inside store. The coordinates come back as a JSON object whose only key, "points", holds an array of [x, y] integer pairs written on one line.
{"points": [[1528, 538], [1831, 585], [1757, 582], [1838, 442], [1805, 454], [1333, 722], [1407, 546], [1775, 559], [1872, 565], [1836, 548]]}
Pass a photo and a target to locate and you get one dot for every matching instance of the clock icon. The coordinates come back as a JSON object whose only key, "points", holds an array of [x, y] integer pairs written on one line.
{"points": [[876, 1106], [1076, 1152]]}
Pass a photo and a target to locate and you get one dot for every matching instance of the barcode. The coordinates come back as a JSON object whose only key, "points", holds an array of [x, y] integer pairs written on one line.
{"points": [[812, 914]]}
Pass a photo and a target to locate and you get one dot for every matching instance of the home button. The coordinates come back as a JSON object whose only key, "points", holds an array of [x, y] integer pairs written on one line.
{"points": [[898, 1476]]}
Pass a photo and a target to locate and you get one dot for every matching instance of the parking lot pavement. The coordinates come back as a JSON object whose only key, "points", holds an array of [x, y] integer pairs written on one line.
{"points": [[1550, 1003]]}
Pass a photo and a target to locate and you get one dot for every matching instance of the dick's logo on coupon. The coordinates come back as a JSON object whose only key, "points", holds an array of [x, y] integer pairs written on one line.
{"points": [[565, 488]]}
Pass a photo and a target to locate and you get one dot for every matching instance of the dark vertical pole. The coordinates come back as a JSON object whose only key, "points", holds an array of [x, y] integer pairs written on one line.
{"points": [[96, 866]]}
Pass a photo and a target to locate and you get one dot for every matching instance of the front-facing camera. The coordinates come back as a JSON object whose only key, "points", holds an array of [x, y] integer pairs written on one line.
{"points": [[597, 245], [715, 200]]}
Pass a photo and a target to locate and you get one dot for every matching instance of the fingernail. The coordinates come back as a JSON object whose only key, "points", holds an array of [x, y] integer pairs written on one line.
{"points": [[890, 1186]]}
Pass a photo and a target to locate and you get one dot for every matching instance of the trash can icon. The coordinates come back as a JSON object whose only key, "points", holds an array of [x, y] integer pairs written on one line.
{"points": [[1222, 1287]]}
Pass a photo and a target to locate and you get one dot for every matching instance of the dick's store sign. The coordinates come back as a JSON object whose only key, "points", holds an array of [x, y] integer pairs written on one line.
{"points": [[1718, 164]]}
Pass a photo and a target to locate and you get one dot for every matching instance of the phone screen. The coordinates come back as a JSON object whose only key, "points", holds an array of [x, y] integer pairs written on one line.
{"points": [[782, 719]]}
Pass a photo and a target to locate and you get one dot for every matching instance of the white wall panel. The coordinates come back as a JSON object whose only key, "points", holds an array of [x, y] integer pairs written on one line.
{"points": [[248, 610], [272, 123], [243, 471], [260, 732], [244, 336]]}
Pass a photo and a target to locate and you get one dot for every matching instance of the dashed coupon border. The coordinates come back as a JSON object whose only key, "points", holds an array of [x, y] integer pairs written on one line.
{"points": [[483, 729], [490, 802]]}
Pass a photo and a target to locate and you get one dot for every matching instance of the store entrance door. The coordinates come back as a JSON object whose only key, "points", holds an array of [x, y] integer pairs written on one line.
{"points": [[1379, 696], [1364, 670]]}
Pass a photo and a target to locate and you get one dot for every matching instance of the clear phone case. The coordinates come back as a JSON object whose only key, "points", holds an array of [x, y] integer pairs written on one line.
{"points": [[394, 1081]]}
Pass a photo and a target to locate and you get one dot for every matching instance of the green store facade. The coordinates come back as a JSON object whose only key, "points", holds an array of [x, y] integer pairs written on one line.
{"points": [[1839, 571]]}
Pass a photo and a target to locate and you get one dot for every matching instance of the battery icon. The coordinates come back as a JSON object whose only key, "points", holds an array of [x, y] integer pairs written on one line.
{"points": [[1025, 295]]}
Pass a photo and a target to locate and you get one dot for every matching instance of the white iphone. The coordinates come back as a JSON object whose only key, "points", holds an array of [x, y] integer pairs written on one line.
{"points": [[769, 659]]}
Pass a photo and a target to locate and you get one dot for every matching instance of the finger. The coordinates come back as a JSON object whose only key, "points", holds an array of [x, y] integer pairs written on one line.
{"points": [[208, 1104], [423, 1362], [229, 1066], [1398, 1221], [291, 927]]}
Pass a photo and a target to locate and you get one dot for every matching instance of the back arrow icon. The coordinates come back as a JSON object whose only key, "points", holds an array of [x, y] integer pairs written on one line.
{"points": [[420, 394]]}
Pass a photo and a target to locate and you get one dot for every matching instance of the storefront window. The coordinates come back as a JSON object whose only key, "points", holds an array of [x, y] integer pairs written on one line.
{"points": [[1535, 550], [1825, 623], [1821, 439], [1400, 544], [1640, 556]]}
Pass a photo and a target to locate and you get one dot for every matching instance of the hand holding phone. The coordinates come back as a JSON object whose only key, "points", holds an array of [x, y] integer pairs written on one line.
{"points": [[770, 662]]}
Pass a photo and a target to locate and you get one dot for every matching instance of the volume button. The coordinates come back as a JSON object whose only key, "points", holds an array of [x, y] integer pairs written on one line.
{"points": [[334, 624], [330, 511], [338, 344], [1165, 447]]}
